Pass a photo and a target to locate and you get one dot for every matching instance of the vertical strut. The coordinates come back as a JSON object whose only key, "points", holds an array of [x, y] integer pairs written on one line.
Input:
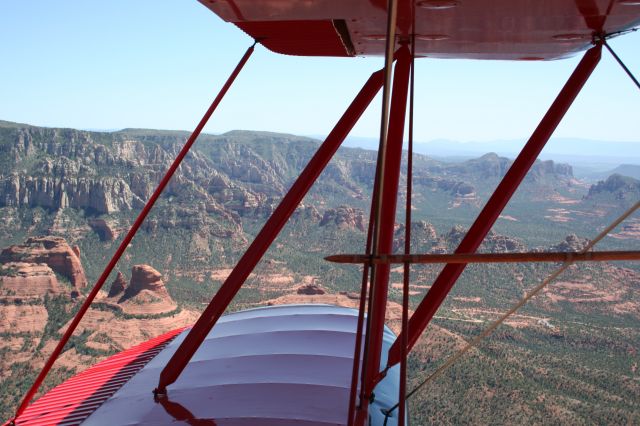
{"points": [[501, 196], [406, 277], [392, 11], [357, 350], [268, 233], [390, 176], [392, 14], [132, 232]]}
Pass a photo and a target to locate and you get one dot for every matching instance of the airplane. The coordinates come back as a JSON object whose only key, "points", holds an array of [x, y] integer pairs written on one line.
{"points": [[321, 364]]}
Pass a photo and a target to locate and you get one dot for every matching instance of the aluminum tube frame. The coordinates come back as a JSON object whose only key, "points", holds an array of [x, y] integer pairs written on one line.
{"points": [[268, 233], [501, 196], [364, 287]]}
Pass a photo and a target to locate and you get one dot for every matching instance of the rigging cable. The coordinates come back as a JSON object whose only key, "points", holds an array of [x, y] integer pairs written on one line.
{"points": [[518, 305], [624, 67], [361, 310], [380, 166]]}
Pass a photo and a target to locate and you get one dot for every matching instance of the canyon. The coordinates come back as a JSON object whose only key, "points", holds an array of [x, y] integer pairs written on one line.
{"points": [[68, 196]]}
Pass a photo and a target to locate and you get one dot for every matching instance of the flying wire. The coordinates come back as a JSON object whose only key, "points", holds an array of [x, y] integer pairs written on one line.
{"points": [[617, 58], [518, 305], [129, 236]]}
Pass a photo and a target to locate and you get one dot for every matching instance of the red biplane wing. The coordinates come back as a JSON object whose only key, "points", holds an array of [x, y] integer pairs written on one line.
{"points": [[471, 29]]}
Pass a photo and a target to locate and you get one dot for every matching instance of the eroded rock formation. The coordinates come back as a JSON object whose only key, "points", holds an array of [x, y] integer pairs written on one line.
{"points": [[51, 251], [344, 217], [144, 277], [496, 243], [310, 289], [118, 286], [493, 242], [146, 293], [571, 243], [619, 186], [103, 195], [423, 236], [104, 228], [21, 279]]}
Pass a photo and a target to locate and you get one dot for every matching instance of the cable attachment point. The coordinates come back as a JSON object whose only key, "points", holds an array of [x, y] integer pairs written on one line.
{"points": [[159, 394], [381, 375], [387, 414], [602, 37], [599, 38]]}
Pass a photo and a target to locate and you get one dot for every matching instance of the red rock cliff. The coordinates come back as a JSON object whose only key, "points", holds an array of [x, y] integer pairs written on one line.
{"points": [[54, 252], [144, 277]]}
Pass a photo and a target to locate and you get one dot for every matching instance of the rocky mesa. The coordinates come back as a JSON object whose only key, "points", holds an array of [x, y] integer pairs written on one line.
{"points": [[145, 295], [30, 269]]}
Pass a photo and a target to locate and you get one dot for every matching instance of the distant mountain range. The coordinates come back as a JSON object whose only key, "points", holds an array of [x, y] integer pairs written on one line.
{"points": [[597, 155], [630, 170]]}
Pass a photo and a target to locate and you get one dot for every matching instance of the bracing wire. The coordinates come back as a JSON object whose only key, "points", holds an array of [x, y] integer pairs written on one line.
{"points": [[129, 236], [478, 339], [617, 58]]}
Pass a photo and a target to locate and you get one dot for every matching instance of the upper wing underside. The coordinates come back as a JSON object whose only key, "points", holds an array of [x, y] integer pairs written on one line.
{"points": [[469, 29]]}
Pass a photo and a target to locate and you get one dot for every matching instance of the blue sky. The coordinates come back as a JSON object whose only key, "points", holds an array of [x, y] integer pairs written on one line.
{"points": [[158, 64]]}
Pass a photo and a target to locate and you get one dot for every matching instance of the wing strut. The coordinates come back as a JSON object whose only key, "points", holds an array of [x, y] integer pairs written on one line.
{"points": [[501, 196], [387, 196], [132, 232], [267, 235], [376, 198], [406, 276]]}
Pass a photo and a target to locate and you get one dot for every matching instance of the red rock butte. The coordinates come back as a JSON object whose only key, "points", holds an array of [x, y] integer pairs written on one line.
{"points": [[118, 286], [146, 293], [52, 251], [144, 277]]}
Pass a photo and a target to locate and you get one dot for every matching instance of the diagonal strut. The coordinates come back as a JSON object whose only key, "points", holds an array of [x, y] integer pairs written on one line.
{"points": [[267, 234], [501, 196]]}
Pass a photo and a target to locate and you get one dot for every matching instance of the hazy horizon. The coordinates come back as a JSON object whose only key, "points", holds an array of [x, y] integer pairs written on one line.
{"points": [[601, 157]]}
